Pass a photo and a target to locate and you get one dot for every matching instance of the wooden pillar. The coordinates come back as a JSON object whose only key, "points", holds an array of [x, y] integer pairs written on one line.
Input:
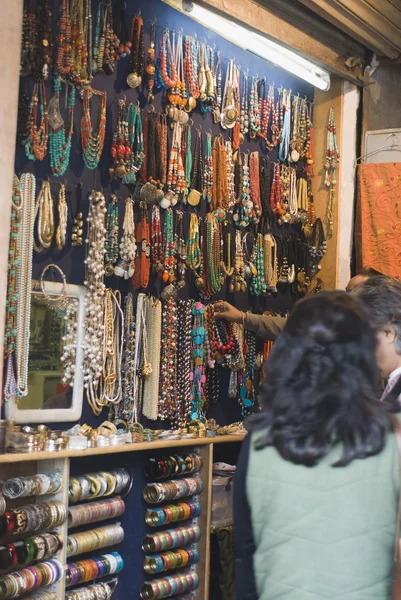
{"points": [[10, 48]]}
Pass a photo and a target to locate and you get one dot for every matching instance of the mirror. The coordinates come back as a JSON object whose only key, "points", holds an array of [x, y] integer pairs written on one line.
{"points": [[55, 378]]}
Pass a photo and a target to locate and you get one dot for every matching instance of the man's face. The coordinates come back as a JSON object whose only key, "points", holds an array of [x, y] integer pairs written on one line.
{"points": [[358, 279]]}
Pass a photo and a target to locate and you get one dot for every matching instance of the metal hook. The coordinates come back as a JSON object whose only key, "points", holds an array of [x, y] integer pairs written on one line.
{"points": [[152, 108], [191, 122]]}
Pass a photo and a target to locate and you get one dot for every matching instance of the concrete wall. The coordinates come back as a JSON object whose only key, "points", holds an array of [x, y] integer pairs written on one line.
{"points": [[381, 100]]}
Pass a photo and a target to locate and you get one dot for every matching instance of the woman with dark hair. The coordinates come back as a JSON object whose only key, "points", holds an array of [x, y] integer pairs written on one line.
{"points": [[317, 481]]}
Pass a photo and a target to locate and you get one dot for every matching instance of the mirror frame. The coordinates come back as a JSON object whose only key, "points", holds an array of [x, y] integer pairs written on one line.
{"points": [[61, 415]]}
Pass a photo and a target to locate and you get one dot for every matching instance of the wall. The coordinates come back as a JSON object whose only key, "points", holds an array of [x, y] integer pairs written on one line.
{"points": [[381, 100]]}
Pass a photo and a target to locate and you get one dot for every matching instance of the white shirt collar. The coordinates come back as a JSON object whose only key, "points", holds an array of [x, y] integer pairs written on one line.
{"points": [[394, 375]]}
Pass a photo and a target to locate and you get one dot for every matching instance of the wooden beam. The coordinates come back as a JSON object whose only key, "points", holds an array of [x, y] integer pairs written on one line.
{"points": [[250, 14]]}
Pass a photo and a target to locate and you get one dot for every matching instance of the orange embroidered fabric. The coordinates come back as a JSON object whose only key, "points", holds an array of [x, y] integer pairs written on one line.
{"points": [[378, 235]]}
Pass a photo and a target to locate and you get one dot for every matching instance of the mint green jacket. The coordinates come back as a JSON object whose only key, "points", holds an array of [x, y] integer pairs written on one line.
{"points": [[323, 532]]}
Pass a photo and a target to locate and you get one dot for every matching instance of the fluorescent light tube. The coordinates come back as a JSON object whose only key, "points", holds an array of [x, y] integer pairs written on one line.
{"points": [[262, 47]]}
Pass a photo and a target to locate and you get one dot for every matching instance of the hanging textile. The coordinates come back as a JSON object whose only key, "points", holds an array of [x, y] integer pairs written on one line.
{"points": [[378, 234]]}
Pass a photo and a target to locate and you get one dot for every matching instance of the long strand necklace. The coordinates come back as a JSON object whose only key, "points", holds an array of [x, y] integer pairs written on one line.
{"points": [[126, 264], [184, 337], [94, 324], [220, 194], [169, 256], [168, 366], [208, 176], [125, 409], [79, 51], [244, 110], [181, 251], [232, 198], [193, 251], [92, 140], [270, 258], [238, 283], [112, 347], [154, 343], [198, 376], [24, 283], [330, 167], [156, 242], [36, 143], [167, 72], [284, 146], [64, 48], [136, 144], [142, 260], [191, 73], [276, 192], [59, 135], [196, 179], [137, 60], [111, 241], [78, 223], [258, 281], [61, 231], [151, 63], [212, 257], [44, 216], [254, 114], [13, 261]]}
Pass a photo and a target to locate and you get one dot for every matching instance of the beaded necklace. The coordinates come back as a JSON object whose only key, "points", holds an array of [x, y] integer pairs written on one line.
{"points": [[136, 153], [69, 354], [238, 283], [270, 261], [112, 347], [157, 241], [276, 192], [317, 244], [308, 150], [330, 167], [24, 283], [124, 409], [229, 111], [243, 213], [193, 251], [140, 357], [61, 231], [94, 324], [178, 95], [191, 73], [120, 148], [180, 250], [79, 50], [284, 145], [168, 393], [169, 254], [78, 224], [247, 392], [59, 136], [187, 150], [64, 48], [142, 260], [226, 259], [258, 281], [122, 40], [92, 140], [220, 194], [13, 261], [106, 56], [208, 177], [176, 172], [154, 342], [151, 63], [111, 240], [212, 255], [137, 61], [167, 72], [196, 178], [36, 143], [244, 111], [265, 186], [198, 376], [216, 106], [184, 346], [295, 148], [126, 264], [264, 111], [302, 197], [254, 114], [44, 216], [255, 187], [200, 278], [275, 120], [232, 198]]}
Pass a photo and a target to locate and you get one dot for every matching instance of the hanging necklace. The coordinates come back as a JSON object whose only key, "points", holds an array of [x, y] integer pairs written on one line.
{"points": [[151, 63], [36, 143], [180, 250], [167, 71], [330, 167], [275, 120], [59, 136], [284, 146], [198, 374], [142, 260], [258, 281], [176, 171], [230, 166], [79, 51], [137, 61], [184, 337], [120, 149], [193, 251], [24, 283], [238, 283], [244, 113], [191, 73], [92, 140], [208, 178], [154, 343], [216, 107], [44, 215], [124, 409], [168, 364], [226, 262], [64, 48], [61, 231], [276, 192], [212, 255], [94, 323], [220, 195], [136, 144], [111, 239], [13, 261], [157, 242], [122, 40], [169, 255], [112, 347], [126, 264], [270, 257], [78, 224], [229, 112], [196, 179], [254, 114]]}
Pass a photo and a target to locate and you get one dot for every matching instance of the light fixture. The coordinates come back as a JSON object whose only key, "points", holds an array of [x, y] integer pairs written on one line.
{"points": [[258, 45]]}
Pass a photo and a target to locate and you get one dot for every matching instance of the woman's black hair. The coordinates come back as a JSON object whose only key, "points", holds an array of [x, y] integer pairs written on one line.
{"points": [[320, 383]]}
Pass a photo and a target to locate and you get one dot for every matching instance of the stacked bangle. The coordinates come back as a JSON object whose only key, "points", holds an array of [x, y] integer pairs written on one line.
{"points": [[160, 563], [155, 493], [92, 568], [34, 485], [23, 581], [169, 586], [173, 466], [172, 513], [81, 514], [171, 539], [99, 485], [101, 537], [25, 552], [42, 595], [33, 518], [97, 591]]}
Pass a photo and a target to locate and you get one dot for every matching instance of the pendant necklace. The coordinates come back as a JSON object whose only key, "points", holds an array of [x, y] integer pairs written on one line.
{"points": [[136, 146], [229, 110], [124, 408], [220, 194], [137, 60], [169, 256], [212, 255], [244, 110], [191, 73], [330, 167], [92, 140], [59, 136]]}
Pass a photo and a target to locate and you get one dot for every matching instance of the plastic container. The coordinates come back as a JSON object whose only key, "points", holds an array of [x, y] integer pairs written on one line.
{"points": [[222, 501]]}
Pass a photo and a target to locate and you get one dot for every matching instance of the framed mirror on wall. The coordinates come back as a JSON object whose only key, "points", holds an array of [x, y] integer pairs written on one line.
{"points": [[55, 376]]}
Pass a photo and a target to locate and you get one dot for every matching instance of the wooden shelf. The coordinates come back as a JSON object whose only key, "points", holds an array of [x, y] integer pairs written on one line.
{"points": [[137, 447]]}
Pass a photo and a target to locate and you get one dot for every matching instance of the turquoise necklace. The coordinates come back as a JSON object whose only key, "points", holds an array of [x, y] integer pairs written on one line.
{"points": [[258, 283], [135, 130], [59, 137]]}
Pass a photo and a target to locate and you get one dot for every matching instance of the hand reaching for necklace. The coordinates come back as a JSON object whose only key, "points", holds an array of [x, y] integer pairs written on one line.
{"points": [[224, 310]]}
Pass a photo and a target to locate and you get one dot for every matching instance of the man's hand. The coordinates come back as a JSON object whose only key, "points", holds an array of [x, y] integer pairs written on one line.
{"points": [[224, 310]]}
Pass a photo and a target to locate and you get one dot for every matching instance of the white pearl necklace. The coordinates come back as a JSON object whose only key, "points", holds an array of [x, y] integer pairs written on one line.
{"points": [[70, 342], [24, 282], [94, 324], [126, 264]]}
